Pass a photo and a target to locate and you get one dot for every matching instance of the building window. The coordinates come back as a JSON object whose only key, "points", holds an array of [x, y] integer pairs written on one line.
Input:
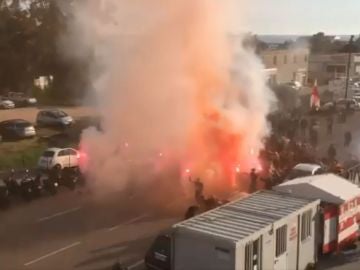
{"points": [[295, 59], [285, 59], [306, 225], [275, 60], [336, 69], [281, 240], [253, 255]]}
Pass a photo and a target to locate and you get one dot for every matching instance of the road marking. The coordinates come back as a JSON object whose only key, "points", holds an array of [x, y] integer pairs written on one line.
{"points": [[59, 214], [52, 253], [128, 222], [136, 264]]}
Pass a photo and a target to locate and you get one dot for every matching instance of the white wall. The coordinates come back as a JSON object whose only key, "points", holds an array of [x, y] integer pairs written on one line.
{"points": [[196, 252]]}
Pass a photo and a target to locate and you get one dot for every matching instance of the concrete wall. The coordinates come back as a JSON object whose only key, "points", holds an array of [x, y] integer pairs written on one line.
{"points": [[290, 64]]}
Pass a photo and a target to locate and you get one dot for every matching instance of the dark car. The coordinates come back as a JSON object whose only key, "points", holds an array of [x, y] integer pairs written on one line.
{"points": [[16, 129], [54, 117], [24, 183], [159, 256], [21, 99]]}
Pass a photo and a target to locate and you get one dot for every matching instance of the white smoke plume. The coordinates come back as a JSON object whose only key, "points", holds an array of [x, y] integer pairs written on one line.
{"points": [[168, 88]]}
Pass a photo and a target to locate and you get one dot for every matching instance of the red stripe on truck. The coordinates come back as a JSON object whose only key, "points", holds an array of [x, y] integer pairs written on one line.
{"points": [[346, 224], [330, 212]]}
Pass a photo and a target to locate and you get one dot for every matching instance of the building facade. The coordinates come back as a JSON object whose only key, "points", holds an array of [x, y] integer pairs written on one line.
{"points": [[291, 64], [327, 67]]}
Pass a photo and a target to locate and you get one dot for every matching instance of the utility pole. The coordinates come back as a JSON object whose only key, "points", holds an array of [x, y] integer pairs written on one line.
{"points": [[350, 47]]}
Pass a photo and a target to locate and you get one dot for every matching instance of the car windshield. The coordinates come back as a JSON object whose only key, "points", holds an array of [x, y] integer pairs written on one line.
{"points": [[23, 124], [48, 154], [59, 114], [161, 250], [295, 173]]}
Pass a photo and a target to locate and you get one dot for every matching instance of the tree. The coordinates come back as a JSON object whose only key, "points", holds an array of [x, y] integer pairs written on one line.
{"points": [[29, 38]]}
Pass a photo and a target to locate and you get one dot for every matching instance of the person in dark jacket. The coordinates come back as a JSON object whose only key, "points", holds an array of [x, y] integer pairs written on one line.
{"points": [[199, 190], [348, 138], [253, 179], [303, 126], [314, 138], [330, 122], [332, 152]]}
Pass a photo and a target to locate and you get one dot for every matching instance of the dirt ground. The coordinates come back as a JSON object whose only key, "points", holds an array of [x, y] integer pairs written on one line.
{"points": [[30, 113]]}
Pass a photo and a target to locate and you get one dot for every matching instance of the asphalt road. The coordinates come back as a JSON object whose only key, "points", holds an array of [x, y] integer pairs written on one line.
{"points": [[82, 231]]}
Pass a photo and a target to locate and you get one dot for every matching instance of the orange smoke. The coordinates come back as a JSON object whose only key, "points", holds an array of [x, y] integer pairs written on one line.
{"points": [[169, 83]]}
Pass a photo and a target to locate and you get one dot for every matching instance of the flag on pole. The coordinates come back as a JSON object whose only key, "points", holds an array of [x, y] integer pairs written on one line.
{"points": [[315, 97]]}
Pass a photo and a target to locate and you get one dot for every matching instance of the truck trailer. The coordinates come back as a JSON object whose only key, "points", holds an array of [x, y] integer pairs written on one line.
{"points": [[267, 230]]}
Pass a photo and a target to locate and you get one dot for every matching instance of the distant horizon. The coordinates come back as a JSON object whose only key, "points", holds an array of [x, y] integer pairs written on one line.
{"points": [[300, 17], [279, 38]]}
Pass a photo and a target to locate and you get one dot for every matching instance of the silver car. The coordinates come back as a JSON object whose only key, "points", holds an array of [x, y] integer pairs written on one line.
{"points": [[6, 104], [54, 117]]}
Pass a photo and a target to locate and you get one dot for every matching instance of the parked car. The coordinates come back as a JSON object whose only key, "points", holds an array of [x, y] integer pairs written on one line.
{"points": [[357, 99], [350, 103], [21, 100], [53, 117], [16, 129], [328, 107], [304, 169], [294, 85], [6, 104], [159, 255], [59, 158]]}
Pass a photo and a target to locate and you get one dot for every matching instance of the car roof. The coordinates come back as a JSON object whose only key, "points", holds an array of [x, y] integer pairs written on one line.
{"points": [[307, 167], [57, 149], [51, 110], [15, 121]]}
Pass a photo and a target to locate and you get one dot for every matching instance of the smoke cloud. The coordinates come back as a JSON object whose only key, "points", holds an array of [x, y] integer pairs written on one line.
{"points": [[173, 91]]}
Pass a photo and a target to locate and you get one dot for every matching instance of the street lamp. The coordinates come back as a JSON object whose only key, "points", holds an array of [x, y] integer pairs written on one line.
{"points": [[350, 46]]}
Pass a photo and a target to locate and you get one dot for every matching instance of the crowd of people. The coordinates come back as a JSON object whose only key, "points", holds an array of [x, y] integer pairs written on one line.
{"points": [[294, 140]]}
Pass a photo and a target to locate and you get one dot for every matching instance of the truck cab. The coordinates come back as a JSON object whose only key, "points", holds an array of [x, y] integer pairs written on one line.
{"points": [[159, 255]]}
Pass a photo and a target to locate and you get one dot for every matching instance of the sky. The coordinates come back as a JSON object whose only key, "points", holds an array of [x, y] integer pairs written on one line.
{"points": [[299, 17]]}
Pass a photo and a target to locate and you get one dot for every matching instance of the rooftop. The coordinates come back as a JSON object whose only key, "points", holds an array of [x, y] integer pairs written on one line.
{"points": [[327, 187], [241, 218]]}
